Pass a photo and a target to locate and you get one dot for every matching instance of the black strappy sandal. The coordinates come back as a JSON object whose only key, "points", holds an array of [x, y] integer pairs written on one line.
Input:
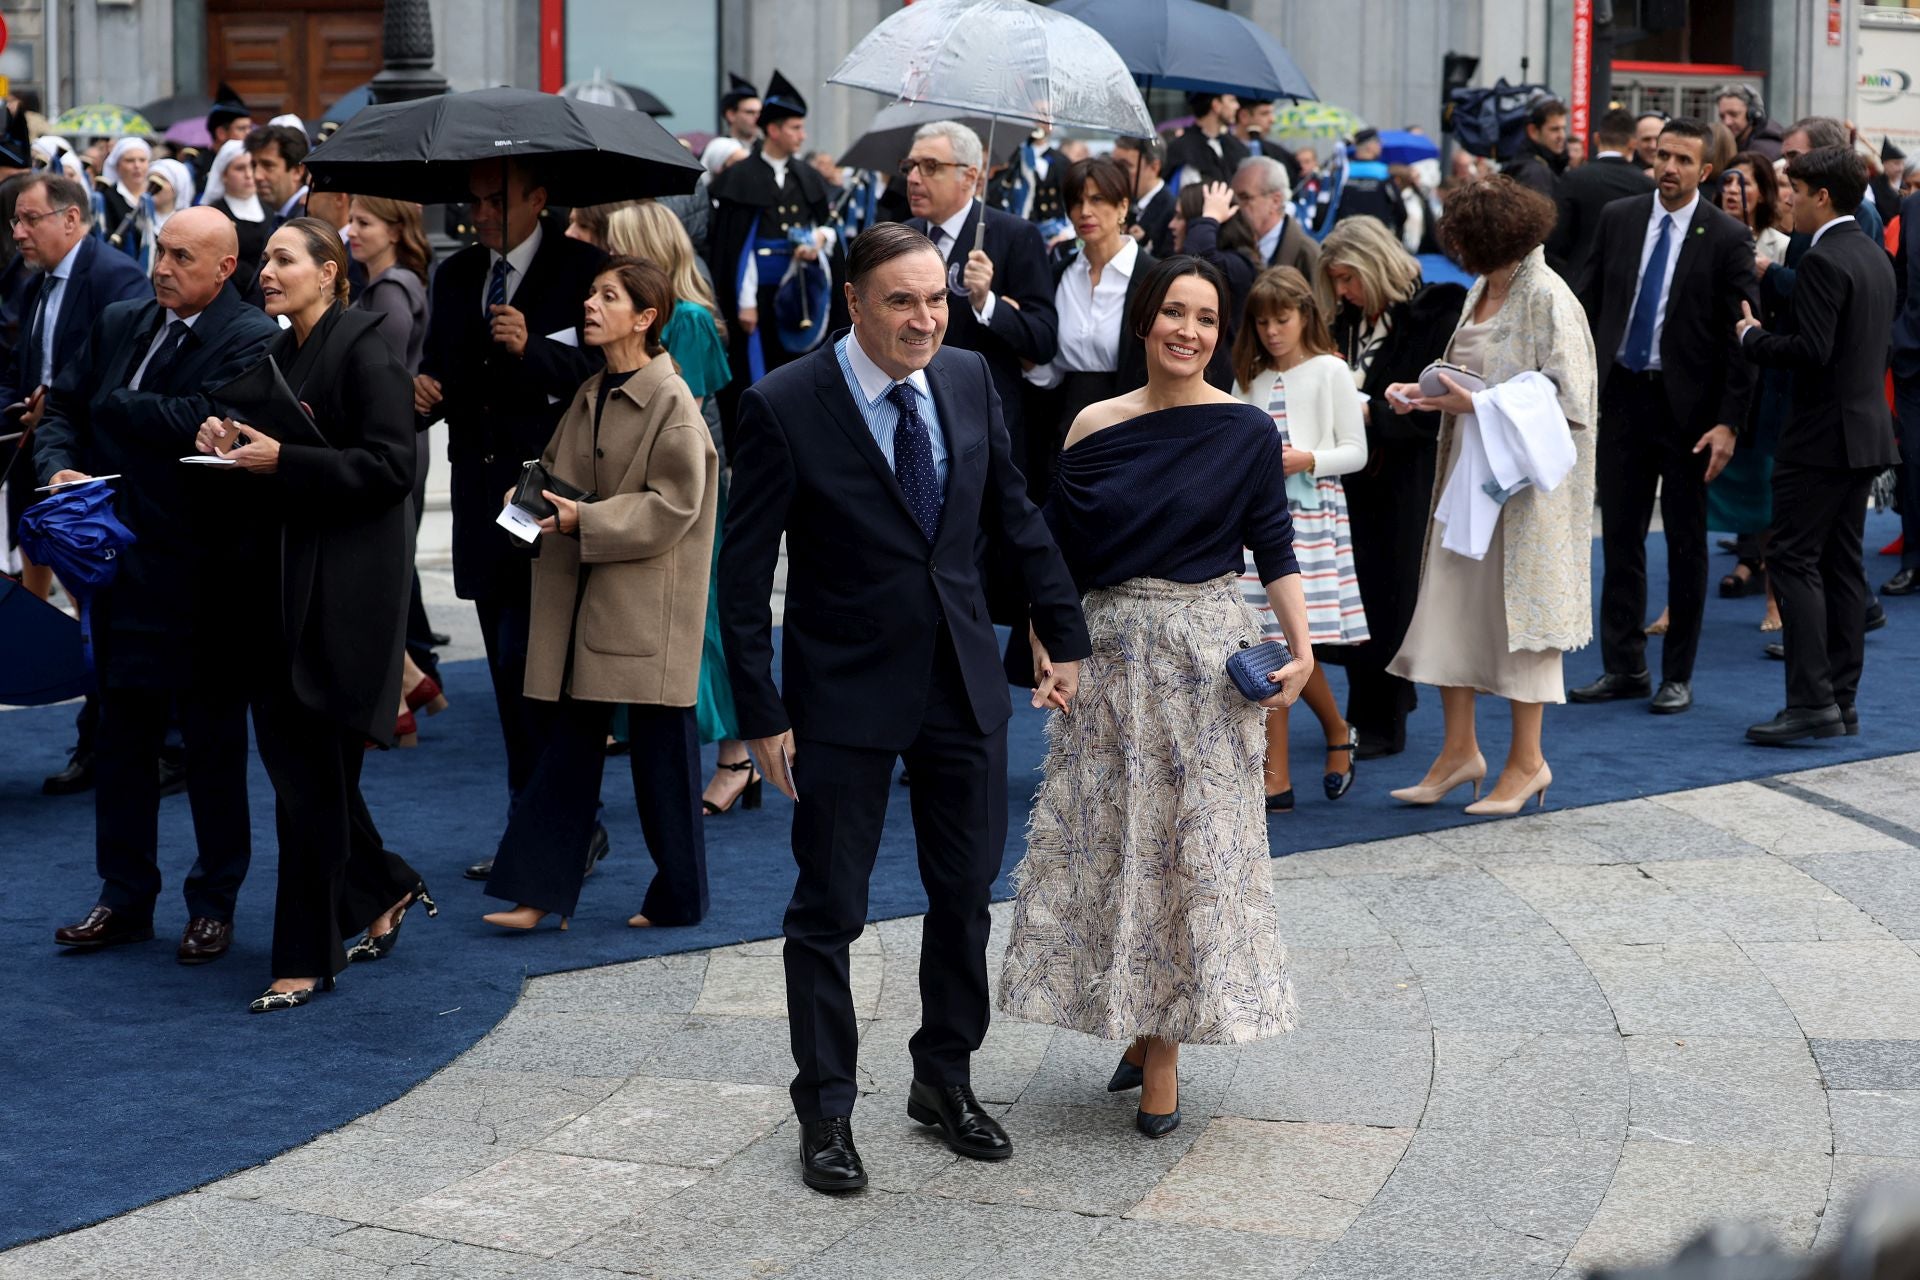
{"points": [[749, 797], [1338, 784]]}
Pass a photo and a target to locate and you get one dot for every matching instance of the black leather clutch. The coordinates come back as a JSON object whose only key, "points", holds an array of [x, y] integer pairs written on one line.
{"points": [[1251, 664], [534, 479]]}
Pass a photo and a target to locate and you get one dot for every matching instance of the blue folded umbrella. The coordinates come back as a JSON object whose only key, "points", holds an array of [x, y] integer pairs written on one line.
{"points": [[40, 654], [76, 534], [1397, 146]]}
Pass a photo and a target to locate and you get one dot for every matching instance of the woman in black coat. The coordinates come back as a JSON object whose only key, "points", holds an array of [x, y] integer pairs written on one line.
{"points": [[332, 533], [1389, 325]]}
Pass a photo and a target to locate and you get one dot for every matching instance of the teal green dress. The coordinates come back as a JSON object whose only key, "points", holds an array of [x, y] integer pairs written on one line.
{"points": [[693, 340]]}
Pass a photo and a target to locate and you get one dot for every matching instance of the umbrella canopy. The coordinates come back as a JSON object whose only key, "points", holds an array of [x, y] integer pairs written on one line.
{"points": [[190, 132], [1397, 146], [102, 120], [644, 100], [1314, 122], [1194, 47], [76, 534], [888, 139], [425, 150], [1004, 59], [40, 656], [613, 93], [181, 106]]}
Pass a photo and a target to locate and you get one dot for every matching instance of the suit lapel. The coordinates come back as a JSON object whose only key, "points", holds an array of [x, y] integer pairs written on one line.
{"points": [[1691, 247], [830, 385], [964, 428]]}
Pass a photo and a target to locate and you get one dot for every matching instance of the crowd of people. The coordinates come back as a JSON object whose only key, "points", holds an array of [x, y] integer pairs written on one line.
{"points": [[1147, 410]]}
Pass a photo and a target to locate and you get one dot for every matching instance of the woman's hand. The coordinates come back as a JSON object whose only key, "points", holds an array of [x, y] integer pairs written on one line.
{"points": [[1217, 201], [1291, 679], [1402, 396], [566, 516], [1293, 461], [1456, 401], [1054, 684], [260, 454]]}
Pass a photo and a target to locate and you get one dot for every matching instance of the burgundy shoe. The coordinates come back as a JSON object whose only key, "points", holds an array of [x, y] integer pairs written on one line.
{"points": [[104, 927], [205, 939]]}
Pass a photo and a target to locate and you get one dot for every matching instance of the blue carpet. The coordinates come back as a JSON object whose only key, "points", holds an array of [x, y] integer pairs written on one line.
{"points": [[125, 1078]]}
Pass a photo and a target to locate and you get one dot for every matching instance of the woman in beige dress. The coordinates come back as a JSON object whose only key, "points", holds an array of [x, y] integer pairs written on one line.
{"points": [[1499, 625]]}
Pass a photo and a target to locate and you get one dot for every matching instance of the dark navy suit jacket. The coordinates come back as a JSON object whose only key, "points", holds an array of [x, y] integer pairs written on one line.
{"points": [[100, 276]]}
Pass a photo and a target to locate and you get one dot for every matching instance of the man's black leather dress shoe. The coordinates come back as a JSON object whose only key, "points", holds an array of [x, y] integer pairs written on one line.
{"points": [[1612, 687], [1378, 746], [480, 870], [205, 939], [1796, 723], [104, 927], [1876, 616], [1850, 717], [828, 1161], [173, 774], [1777, 650], [1674, 697], [968, 1129], [75, 778], [1903, 583]]}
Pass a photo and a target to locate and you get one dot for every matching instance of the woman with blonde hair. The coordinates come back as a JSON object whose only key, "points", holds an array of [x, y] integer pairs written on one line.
{"points": [[1284, 361], [1389, 324], [650, 232]]}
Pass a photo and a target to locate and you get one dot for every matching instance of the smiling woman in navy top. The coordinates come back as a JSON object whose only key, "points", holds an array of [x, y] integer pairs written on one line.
{"points": [[1145, 904]]}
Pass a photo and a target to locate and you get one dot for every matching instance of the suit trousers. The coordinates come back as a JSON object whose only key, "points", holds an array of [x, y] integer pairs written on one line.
{"points": [[1643, 449], [541, 861], [503, 629], [959, 801], [1906, 400], [126, 797], [335, 874], [1820, 579]]}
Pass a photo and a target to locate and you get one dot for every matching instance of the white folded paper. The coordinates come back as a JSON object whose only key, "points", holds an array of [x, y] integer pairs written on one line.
{"points": [[518, 522]]}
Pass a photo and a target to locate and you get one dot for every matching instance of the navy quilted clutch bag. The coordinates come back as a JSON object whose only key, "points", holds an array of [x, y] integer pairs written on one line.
{"points": [[1251, 664]]}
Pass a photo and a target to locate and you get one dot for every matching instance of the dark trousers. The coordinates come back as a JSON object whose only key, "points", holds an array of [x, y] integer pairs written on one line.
{"points": [[1387, 504], [1820, 579], [1906, 400], [419, 629], [126, 797], [960, 826], [503, 629], [542, 857], [1642, 449], [335, 874]]}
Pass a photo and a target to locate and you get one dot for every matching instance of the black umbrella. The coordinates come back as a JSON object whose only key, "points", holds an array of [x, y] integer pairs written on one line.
{"points": [[645, 100], [425, 150], [890, 137], [168, 112]]}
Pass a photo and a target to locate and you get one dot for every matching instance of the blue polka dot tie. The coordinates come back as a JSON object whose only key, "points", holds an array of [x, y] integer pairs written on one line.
{"points": [[913, 461]]}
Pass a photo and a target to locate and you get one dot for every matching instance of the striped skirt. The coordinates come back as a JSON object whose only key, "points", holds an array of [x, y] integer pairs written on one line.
{"points": [[1323, 544]]}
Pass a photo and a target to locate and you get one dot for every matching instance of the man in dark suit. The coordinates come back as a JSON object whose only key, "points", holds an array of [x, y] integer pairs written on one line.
{"points": [[129, 402], [502, 359], [1584, 192], [76, 277], [279, 155], [1265, 197], [1838, 439], [1543, 155], [1906, 397], [1665, 284], [884, 462], [1207, 151], [1142, 160], [1001, 294]]}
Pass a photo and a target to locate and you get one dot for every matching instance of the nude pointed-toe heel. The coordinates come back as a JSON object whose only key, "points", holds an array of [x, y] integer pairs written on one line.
{"points": [[521, 918], [1536, 786], [1474, 771]]}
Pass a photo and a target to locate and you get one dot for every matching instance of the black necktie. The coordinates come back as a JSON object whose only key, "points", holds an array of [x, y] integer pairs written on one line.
{"points": [[37, 331], [155, 376], [913, 461]]}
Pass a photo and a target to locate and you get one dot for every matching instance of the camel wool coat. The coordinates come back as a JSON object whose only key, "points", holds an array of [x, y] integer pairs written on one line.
{"points": [[644, 548]]}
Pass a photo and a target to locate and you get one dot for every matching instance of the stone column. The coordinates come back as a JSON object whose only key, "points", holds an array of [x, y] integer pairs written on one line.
{"points": [[406, 50]]}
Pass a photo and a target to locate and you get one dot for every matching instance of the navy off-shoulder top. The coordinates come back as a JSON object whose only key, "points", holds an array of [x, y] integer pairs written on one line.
{"points": [[1175, 494]]}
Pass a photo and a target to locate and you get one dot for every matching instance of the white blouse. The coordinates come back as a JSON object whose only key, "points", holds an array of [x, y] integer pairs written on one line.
{"points": [[1091, 317]]}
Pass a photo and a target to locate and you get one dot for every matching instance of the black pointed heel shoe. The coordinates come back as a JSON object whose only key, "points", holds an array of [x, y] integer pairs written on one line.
{"points": [[1338, 784], [1126, 1076], [378, 947], [270, 1000], [1158, 1126], [749, 797], [1282, 803]]}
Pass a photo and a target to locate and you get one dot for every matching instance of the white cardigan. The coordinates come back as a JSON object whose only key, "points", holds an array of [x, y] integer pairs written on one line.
{"points": [[1323, 412]]}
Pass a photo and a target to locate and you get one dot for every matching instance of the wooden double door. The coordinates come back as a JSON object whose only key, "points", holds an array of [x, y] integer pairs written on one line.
{"points": [[297, 57]]}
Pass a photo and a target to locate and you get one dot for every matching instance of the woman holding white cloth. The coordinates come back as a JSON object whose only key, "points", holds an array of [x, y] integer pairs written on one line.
{"points": [[1500, 623]]}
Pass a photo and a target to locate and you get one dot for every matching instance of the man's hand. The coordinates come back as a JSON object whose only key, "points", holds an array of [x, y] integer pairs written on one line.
{"points": [[1719, 443], [1760, 264], [426, 393], [1746, 322], [510, 329], [260, 454], [214, 435], [807, 252], [978, 278], [35, 410], [773, 755], [749, 319], [1217, 201], [69, 476]]}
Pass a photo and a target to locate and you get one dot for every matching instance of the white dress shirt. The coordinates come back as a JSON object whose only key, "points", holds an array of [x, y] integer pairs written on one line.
{"points": [[1091, 317], [519, 258], [870, 385], [1682, 219], [154, 346], [946, 238], [1270, 242], [1827, 226], [50, 315]]}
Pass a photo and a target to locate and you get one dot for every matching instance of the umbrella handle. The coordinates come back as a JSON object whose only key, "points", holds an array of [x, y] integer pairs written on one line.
{"points": [[986, 164]]}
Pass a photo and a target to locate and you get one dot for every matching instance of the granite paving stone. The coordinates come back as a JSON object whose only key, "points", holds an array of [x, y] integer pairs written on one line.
{"points": [[538, 1202], [1664, 1193], [760, 1189], [1868, 1064], [1399, 856], [665, 1247], [1727, 1091], [1639, 831], [661, 985], [1068, 1158], [1530, 838], [1885, 885], [1008, 1057], [1356, 989], [1531, 987], [1334, 1077], [1777, 823], [1076, 1069], [1766, 900], [586, 1044], [1129, 1247], [1618, 902], [741, 1050], [1876, 1122], [1688, 988], [1473, 1253], [1462, 908], [358, 1173], [935, 1238], [1864, 990], [514, 1108], [1857, 1176], [1307, 1181], [698, 1123], [1325, 912], [1884, 788], [1528, 1084]]}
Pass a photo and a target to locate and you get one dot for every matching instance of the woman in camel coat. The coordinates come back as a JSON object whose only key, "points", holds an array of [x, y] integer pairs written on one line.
{"points": [[618, 617]]}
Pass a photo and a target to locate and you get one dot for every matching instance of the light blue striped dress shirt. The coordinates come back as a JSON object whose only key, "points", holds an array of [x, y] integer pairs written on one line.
{"points": [[869, 384]]}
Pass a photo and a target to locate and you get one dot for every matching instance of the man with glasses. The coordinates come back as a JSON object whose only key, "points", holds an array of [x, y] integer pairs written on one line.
{"points": [[1000, 275], [77, 279], [1265, 197]]}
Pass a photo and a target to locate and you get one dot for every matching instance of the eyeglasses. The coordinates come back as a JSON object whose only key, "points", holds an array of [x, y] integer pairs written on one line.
{"points": [[35, 219], [928, 166]]}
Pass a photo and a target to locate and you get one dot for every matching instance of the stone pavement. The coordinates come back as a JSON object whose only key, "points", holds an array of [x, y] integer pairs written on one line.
{"points": [[1526, 1048]]}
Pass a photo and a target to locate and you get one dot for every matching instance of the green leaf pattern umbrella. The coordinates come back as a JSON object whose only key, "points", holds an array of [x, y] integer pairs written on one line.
{"points": [[102, 120], [1314, 122]]}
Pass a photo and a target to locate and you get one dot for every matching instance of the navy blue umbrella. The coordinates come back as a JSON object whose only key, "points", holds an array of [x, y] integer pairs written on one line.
{"points": [[76, 534], [40, 657], [1193, 47]]}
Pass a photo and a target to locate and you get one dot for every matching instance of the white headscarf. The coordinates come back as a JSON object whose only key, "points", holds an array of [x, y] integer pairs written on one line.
{"points": [[50, 147], [111, 169], [180, 178], [245, 210], [718, 152], [291, 120]]}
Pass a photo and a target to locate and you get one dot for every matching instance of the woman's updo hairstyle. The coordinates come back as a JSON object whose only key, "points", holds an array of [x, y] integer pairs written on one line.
{"points": [[648, 288], [323, 246]]}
